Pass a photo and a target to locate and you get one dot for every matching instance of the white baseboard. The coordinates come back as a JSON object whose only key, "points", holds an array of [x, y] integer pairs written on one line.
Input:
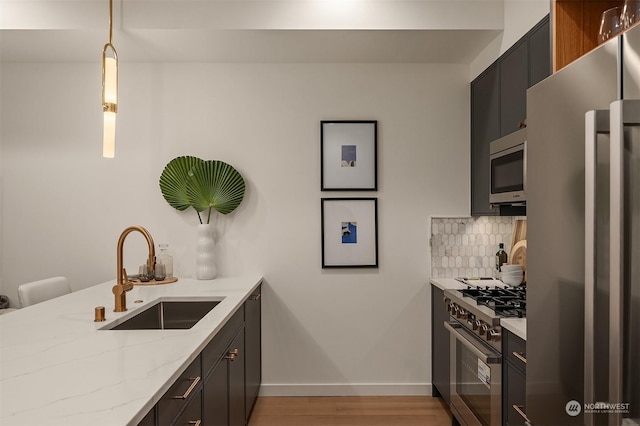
{"points": [[346, 389]]}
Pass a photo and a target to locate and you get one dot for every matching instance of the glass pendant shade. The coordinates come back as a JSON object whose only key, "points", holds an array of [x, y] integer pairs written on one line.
{"points": [[110, 106], [109, 138]]}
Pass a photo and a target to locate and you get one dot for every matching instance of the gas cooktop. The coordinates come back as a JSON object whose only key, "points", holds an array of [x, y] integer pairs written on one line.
{"points": [[505, 302]]}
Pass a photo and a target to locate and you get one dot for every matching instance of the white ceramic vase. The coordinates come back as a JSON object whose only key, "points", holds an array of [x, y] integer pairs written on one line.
{"points": [[205, 253]]}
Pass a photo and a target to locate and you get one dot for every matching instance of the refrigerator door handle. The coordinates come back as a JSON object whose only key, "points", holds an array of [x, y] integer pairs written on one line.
{"points": [[596, 123], [622, 113]]}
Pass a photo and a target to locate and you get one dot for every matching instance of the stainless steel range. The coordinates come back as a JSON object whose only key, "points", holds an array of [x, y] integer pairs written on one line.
{"points": [[476, 349]]}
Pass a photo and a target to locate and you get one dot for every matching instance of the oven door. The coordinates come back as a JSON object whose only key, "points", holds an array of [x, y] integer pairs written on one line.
{"points": [[476, 379]]}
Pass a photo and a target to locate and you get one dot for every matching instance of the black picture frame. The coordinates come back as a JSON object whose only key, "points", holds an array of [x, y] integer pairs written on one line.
{"points": [[349, 155], [349, 232]]}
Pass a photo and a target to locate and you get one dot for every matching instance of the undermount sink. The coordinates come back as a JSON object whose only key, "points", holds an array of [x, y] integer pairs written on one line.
{"points": [[167, 315]]}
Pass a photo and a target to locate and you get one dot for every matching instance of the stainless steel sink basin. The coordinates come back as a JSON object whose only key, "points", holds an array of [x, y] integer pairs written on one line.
{"points": [[167, 315]]}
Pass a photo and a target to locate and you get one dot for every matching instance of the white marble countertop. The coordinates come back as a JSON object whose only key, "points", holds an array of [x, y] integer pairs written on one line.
{"points": [[517, 326], [58, 368]]}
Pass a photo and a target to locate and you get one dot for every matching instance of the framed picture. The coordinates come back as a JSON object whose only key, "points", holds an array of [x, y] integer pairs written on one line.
{"points": [[348, 157], [349, 232]]}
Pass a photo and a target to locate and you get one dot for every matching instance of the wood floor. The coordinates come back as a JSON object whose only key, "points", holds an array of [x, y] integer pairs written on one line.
{"points": [[350, 411]]}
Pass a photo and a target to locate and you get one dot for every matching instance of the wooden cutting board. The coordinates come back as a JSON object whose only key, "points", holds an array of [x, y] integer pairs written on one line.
{"points": [[519, 232], [519, 256]]}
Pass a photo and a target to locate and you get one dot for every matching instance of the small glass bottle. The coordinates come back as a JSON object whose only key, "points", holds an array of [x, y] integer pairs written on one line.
{"points": [[501, 257], [166, 259]]}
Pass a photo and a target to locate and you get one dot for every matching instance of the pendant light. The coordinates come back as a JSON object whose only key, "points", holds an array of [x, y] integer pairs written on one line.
{"points": [[109, 92]]}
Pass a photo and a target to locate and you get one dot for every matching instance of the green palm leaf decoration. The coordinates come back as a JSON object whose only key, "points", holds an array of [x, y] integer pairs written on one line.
{"points": [[175, 179], [192, 182], [215, 184]]}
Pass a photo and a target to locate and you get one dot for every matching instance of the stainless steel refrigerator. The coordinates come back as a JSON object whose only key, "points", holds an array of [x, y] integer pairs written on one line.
{"points": [[583, 218]]}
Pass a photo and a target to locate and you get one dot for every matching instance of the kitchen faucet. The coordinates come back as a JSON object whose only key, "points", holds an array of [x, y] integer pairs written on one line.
{"points": [[123, 284]]}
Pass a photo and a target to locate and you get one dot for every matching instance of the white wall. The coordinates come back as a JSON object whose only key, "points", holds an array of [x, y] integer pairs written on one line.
{"points": [[519, 17], [351, 331]]}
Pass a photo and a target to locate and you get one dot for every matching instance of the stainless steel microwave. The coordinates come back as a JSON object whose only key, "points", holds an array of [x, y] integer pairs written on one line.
{"points": [[508, 168]]}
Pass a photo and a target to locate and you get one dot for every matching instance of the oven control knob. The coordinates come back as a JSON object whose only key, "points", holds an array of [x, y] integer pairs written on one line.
{"points": [[446, 300], [493, 335], [476, 324], [461, 313], [450, 307], [484, 328]]}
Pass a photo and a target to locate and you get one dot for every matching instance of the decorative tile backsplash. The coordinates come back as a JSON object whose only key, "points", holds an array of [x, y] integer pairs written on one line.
{"points": [[466, 247]]}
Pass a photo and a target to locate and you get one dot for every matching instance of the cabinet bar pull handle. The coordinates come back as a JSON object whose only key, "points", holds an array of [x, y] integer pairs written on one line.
{"points": [[519, 408], [231, 356], [256, 296], [520, 356], [195, 422], [194, 383]]}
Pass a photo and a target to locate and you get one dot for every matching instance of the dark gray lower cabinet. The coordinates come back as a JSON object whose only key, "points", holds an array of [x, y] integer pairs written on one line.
{"points": [[514, 379], [253, 349], [440, 349], [235, 358], [220, 386], [192, 413], [216, 396]]}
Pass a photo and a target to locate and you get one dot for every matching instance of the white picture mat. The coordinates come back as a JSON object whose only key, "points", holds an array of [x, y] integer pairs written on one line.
{"points": [[362, 253], [363, 136]]}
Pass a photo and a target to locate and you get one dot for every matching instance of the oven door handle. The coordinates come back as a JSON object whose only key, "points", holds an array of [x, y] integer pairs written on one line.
{"points": [[456, 331]]}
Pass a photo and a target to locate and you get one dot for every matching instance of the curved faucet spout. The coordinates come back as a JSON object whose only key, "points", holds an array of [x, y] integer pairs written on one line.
{"points": [[122, 283]]}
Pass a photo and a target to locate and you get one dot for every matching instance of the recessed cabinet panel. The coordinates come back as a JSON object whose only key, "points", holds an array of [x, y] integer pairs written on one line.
{"points": [[216, 396], [540, 53], [440, 352], [514, 383], [514, 81], [253, 349], [485, 127], [236, 381]]}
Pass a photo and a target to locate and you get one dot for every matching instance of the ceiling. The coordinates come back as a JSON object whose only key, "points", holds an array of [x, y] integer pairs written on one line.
{"points": [[375, 31]]}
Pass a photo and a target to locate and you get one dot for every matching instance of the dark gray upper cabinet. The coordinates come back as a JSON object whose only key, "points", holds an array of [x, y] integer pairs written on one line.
{"points": [[499, 104], [485, 127], [540, 52], [514, 82]]}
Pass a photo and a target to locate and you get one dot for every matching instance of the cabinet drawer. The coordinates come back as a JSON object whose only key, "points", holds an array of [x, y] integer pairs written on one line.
{"points": [[516, 351], [192, 415], [515, 396], [182, 391], [218, 346]]}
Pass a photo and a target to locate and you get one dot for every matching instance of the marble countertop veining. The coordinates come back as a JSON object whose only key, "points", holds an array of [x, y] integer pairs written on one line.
{"points": [[57, 367]]}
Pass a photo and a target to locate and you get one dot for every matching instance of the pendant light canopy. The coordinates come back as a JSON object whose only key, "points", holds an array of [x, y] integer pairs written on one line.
{"points": [[109, 92]]}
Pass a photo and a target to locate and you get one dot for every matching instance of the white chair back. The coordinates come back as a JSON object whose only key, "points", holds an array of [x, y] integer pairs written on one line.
{"points": [[39, 291]]}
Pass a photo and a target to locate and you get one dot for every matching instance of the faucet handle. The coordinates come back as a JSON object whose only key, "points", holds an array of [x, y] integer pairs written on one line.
{"points": [[125, 277]]}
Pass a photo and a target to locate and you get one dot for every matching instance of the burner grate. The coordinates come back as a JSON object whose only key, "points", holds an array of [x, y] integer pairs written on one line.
{"points": [[506, 302]]}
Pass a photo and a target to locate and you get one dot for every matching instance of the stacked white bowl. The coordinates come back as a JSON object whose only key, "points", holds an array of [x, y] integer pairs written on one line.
{"points": [[511, 274]]}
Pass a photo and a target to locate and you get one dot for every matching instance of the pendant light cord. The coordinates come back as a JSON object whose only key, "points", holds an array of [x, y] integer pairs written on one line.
{"points": [[110, 20]]}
